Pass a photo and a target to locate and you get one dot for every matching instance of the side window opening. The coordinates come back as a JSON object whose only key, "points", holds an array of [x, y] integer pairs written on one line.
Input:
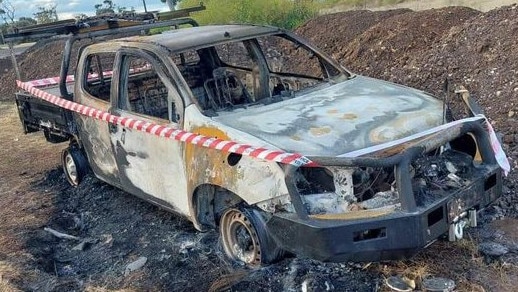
{"points": [[220, 77], [146, 92], [98, 75], [195, 72], [237, 80], [293, 67]]}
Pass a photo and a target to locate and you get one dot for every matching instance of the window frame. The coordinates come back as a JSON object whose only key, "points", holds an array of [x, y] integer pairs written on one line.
{"points": [[162, 71], [85, 73]]}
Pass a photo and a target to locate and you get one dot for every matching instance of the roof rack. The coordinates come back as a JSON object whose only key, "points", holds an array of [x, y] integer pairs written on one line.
{"points": [[109, 23], [103, 25]]}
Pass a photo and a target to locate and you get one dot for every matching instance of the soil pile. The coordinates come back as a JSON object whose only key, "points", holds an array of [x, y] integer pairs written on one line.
{"points": [[42, 60], [333, 32], [392, 41], [481, 54]]}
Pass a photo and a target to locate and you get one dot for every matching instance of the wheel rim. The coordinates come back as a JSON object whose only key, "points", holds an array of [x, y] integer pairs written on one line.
{"points": [[70, 168], [240, 240]]}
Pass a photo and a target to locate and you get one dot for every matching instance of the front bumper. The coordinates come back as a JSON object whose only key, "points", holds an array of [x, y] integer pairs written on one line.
{"points": [[393, 236], [397, 234]]}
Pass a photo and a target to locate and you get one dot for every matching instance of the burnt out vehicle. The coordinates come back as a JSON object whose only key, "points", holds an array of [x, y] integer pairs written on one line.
{"points": [[389, 173]]}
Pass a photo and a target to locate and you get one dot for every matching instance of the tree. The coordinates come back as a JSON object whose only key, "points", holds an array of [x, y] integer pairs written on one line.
{"points": [[107, 7], [171, 3], [7, 11], [123, 10], [46, 14], [7, 14], [25, 21]]}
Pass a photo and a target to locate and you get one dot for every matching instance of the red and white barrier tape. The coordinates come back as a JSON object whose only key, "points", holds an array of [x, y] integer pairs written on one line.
{"points": [[171, 133], [49, 81], [70, 78]]}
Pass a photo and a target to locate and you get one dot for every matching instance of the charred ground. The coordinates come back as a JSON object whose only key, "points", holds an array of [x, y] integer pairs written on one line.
{"points": [[418, 49]]}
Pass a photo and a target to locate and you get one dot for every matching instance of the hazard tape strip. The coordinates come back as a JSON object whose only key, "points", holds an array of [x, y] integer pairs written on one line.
{"points": [[70, 78], [171, 133], [49, 81]]}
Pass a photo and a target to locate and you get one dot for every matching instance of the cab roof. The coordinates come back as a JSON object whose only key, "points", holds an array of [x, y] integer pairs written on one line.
{"points": [[202, 36]]}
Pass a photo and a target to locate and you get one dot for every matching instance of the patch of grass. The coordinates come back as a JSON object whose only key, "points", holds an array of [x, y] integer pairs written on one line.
{"points": [[7, 272], [282, 13], [158, 30], [103, 289], [5, 286], [459, 261]]}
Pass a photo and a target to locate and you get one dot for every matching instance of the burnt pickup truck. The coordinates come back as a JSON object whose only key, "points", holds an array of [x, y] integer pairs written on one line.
{"points": [[387, 172]]}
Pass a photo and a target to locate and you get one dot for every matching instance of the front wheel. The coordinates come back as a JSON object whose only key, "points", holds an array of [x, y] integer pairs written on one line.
{"points": [[245, 238], [75, 165]]}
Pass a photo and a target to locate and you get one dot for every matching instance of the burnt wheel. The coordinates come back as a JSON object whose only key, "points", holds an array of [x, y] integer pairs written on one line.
{"points": [[74, 164], [245, 238]]}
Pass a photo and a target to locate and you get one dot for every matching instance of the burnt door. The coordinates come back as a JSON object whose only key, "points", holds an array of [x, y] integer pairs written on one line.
{"points": [[150, 166], [94, 89]]}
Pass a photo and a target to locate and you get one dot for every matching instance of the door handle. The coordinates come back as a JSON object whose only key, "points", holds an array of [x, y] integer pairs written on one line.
{"points": [[123, 135]]}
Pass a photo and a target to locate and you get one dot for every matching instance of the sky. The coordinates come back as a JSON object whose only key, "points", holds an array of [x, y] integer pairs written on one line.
{"points": [[68, 8]]}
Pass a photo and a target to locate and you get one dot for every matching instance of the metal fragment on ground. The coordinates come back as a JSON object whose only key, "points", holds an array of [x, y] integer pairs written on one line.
{"points": [[398, 283], [438, 284], [139, 263]]}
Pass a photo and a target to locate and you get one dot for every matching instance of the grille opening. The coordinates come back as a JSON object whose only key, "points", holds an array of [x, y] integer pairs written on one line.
{"points": [[369, 234], [490, 182], [437, 175], [314, 180], [368, 181], [435, 216]]}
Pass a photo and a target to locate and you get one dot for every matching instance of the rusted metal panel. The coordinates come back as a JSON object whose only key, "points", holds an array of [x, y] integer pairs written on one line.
{"points": [[94, 134], [254, 180]]}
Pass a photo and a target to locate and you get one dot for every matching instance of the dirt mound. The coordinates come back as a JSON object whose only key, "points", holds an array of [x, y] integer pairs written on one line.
{"points": [[332, 32], [39, 61], [422, 49], [394, 40], [481, 54]]}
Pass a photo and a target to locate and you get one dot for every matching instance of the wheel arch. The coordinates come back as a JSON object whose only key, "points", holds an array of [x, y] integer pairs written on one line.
{"points": [[209, 201]]}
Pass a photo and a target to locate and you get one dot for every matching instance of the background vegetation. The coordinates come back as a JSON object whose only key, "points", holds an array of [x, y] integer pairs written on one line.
{"points": [[283, 13]]}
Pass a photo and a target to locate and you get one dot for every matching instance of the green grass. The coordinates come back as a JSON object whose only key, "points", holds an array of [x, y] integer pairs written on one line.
{"points": [[282, 13]]}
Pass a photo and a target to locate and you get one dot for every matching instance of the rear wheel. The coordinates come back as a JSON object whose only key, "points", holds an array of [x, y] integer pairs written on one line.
{"points": [[245, 238], [75, 165]]}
